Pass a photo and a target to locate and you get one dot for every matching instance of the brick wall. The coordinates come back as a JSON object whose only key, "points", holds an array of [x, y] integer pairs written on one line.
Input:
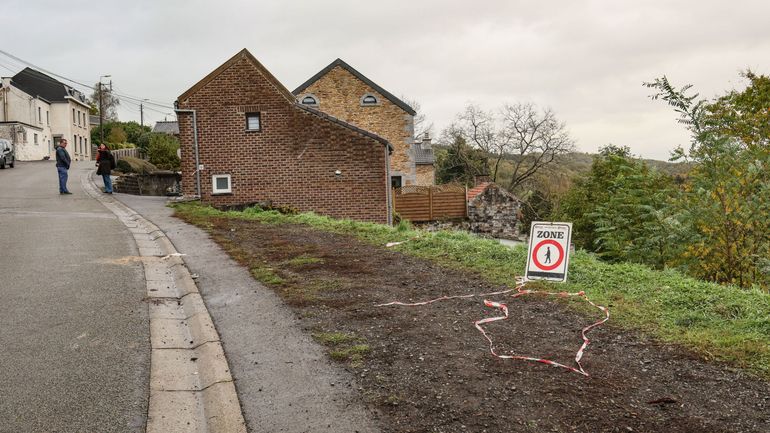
{"points": [[291, 161], [339, 93]]}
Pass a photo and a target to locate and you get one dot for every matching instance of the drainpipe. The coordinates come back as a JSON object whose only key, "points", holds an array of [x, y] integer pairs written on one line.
{"points": [[388, 189], [195, 146]]}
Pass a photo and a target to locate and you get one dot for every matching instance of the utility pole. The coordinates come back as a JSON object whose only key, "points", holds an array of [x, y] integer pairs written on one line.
{"points": [[141, 111], [101, 108]]}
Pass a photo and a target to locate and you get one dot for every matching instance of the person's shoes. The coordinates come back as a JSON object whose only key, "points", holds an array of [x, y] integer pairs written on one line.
{"points": [[65, 192], [108, 192]]}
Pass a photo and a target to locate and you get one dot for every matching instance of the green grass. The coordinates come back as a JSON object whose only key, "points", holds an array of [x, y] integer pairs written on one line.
{"points": [[303, 260], [722, 323]]}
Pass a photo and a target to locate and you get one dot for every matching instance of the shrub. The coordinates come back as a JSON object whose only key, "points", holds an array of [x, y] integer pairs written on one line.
{"points": [[162, 151], [124, 167]]}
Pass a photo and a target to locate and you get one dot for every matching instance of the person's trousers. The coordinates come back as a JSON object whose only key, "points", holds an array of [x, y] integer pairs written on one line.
{"points": [[62, 179], [107, 183]]}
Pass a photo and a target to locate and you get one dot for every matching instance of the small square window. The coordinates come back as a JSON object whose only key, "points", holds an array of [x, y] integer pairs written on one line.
{"points": [[253, 122], [220, 184]]}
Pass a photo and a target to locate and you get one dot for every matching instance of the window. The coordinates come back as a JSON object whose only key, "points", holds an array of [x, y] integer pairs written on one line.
{"points": [[47, 118], [309, 100], [36, 139], [39, 115], [253, 122], [220, 184], [395, 181], [369, 99], [73, 116], [79, 117]]}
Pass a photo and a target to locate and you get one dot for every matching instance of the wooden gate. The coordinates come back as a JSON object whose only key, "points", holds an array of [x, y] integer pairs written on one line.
{"points": [[428, 203]]}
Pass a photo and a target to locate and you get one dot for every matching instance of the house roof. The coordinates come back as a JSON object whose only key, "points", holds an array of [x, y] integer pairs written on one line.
{"points": [[422, 156], [339, 62], [243, 54], [280, 87], [170, 127], [36, 83], [478, 189]]}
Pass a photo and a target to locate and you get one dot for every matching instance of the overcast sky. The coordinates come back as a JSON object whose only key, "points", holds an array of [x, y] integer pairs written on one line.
{"points": [[584, 59]]}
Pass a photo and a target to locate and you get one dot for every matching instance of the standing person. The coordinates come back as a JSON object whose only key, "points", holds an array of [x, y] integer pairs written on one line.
{"points": [[106, 163], [63, 161]]}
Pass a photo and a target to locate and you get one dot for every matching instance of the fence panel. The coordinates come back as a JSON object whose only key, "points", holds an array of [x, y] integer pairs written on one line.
{"points": [[428, 203], [119, 153]]}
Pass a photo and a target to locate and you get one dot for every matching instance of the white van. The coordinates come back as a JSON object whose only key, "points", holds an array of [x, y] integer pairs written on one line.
{"points": [[7, 155]]}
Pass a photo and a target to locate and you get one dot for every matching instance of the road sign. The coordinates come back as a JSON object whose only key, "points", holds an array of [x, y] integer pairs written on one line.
{"points": [[548, 256]]}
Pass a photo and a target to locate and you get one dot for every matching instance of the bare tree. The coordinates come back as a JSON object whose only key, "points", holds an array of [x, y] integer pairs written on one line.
{"points": [[535, 138], [480, 128], [421, 124]]}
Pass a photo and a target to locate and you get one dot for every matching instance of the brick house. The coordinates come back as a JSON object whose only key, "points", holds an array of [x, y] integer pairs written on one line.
{"points": [[255, 143], [346, 94]]}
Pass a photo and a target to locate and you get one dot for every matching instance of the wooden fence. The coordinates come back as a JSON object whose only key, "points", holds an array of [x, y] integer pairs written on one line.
{"points": [[119, 153], [428, 203]]}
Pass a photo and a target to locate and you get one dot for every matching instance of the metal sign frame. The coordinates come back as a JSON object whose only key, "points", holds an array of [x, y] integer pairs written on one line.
{"points": [[552, 271]]}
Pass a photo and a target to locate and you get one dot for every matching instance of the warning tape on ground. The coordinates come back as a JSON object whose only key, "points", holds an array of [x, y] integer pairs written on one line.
{"points": [[520, 291]]}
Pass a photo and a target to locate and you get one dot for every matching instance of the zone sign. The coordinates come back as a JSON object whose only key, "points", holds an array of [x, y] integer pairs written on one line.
{"points": [[548, 257]]}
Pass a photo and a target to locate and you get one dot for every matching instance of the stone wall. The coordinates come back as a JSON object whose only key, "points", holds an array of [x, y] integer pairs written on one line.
{"points": [[159, 183], [339, 94], [496, 213]]}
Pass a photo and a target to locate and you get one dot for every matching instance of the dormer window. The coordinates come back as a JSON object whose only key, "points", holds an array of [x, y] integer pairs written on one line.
{"points": [[309, 100], [369, 99]]}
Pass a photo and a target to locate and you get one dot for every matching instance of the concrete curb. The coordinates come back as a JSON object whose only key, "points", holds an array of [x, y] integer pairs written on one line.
{"points": [[191, 388]]}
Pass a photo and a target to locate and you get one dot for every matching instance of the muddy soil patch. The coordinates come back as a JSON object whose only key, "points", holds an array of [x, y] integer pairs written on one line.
{"points": [[427, 369]]}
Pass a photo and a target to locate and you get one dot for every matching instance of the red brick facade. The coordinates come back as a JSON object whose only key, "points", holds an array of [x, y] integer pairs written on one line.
{"points": [[291, 160]]}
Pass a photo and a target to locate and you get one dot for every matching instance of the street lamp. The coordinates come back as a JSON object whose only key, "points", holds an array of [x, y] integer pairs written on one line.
{"points": [[101, 109]]}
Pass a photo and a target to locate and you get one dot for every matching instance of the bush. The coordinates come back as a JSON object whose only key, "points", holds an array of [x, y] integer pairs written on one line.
{"points": [[162, 151], [124, 167], [136, 165]]}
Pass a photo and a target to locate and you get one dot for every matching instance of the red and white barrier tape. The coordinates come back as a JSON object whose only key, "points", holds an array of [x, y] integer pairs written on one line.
{"points": [[520, 291]]}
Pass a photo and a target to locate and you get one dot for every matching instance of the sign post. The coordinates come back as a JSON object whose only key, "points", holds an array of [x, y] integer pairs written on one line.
{"points": [[548, 256]]}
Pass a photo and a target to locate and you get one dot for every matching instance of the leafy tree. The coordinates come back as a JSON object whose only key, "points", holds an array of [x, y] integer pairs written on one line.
{"points": [[621, 210], [161, 151], [456, 160], [727, 193], [134, 131], [117, 135]]}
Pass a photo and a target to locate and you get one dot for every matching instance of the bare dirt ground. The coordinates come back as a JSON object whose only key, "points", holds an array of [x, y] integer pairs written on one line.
{"points": [[427, 369]]}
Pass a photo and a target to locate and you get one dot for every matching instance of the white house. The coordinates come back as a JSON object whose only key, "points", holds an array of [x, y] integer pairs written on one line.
{"points": [[38, 111]]}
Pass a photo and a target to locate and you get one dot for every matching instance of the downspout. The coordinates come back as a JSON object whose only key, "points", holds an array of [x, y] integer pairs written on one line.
{"points": [[388, 189], [195, 147]]}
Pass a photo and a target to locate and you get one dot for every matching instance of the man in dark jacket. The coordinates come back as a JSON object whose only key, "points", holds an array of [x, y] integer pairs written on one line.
{"points": [[62, 165]]}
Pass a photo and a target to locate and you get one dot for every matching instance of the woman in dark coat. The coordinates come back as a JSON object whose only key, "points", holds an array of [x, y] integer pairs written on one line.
{"points": [[106, 163]]}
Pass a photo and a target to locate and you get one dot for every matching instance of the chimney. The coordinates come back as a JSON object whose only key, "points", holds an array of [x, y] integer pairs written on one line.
{"points": [[480, 178], [425, 141]]}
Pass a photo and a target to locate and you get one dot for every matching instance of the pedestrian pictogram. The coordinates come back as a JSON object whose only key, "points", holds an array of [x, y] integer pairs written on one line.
{"points": [[548, 256]]}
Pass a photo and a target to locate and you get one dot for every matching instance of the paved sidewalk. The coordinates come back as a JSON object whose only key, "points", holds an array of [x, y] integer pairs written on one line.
{"points": [[283, 378]]}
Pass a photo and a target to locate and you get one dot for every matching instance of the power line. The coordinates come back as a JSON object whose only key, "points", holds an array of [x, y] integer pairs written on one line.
{"points": [[122, 95]]}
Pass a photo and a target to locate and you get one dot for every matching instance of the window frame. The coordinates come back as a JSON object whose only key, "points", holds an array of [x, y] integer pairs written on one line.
{"points": [[369, 104], [258, 114], [218, 191], [309, 95]]}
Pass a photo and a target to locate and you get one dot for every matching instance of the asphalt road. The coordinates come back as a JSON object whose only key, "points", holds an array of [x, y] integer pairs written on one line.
{"points": [[74, 329]]}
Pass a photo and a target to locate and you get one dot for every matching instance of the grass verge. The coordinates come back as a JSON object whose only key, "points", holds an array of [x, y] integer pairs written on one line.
{"points": [[722, 323]]}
